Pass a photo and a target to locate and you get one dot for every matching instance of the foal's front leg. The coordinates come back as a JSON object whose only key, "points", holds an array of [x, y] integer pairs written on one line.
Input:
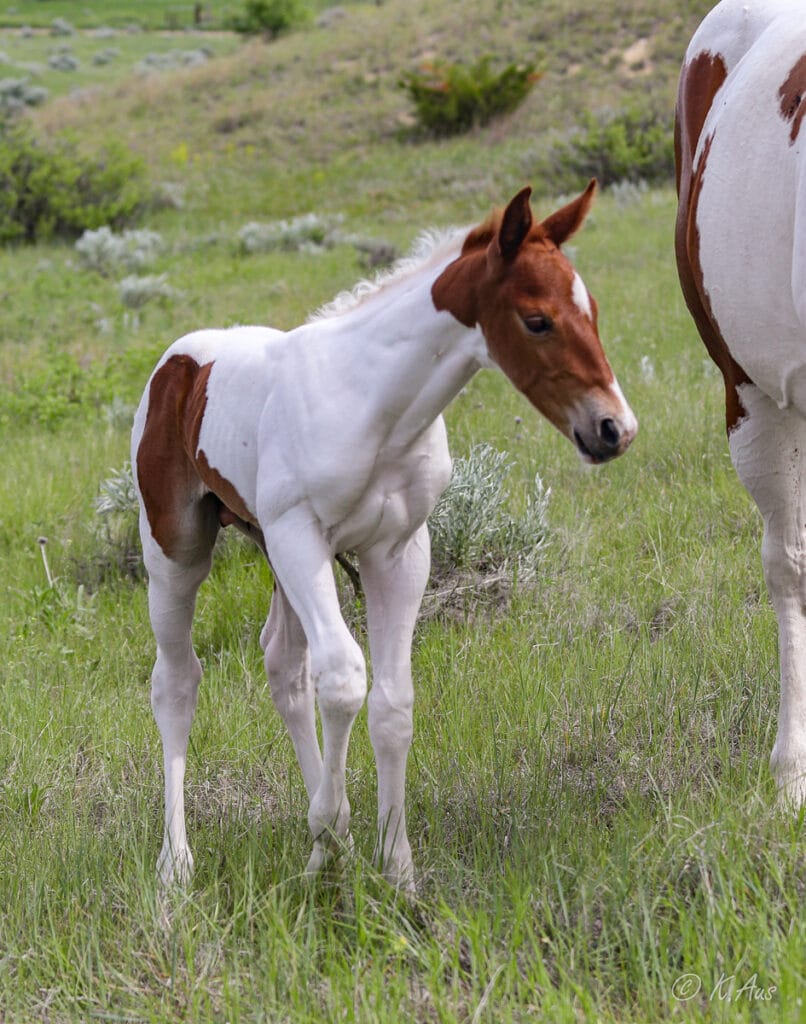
{"points": [[394, 583], [302, 563]]}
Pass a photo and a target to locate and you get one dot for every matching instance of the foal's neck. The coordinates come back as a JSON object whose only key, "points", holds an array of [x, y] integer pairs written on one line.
{"points": [[411, 359]]}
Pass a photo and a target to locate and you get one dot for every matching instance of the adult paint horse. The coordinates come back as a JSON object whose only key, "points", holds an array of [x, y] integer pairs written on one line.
{"points": [[329, 438], [741, 252]]}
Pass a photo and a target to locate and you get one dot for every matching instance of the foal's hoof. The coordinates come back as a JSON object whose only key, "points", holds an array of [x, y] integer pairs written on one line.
{"points": [[402, 881], [330, 855], [174, 868], [792, 792], [399, 873]]}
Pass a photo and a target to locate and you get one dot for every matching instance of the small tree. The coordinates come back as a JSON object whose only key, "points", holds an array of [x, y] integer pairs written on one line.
{"points": [[269, 17]]}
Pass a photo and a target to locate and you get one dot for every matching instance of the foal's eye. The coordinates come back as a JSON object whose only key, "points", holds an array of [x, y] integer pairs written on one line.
{"points": [[538, 324]]}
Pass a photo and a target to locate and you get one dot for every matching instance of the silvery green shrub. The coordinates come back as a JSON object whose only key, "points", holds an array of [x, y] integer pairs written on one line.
{"points": [[473, 528], [475, 534], [64, 60], [116, 522], [105, 56], [172, 60], [308, 232], [136, 291], [61, 27], [18, 93], [103, 250]]}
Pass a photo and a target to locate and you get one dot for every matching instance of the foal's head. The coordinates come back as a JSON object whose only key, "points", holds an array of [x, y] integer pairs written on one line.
{"points": [[540, 321]]}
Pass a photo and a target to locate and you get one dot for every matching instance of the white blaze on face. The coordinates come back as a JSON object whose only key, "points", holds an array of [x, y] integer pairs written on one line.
{"points": [[629, 424], [581, 298]]}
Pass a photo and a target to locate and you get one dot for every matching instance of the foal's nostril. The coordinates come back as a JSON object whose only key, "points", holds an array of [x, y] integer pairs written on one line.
{"points": [[609, 433]]}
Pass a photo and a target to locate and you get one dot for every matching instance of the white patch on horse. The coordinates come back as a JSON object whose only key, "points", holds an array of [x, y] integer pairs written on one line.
{"points": [[582, 299]]}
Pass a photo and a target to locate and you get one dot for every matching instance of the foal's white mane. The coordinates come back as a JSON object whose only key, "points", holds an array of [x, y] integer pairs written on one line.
{"points": [[429, 247]]}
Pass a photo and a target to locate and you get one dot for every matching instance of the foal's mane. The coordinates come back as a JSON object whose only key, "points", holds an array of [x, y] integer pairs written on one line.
{"points": [[429, 247]]}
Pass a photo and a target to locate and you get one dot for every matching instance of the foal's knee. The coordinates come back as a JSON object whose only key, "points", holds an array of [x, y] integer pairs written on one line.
{"points": [[340, 677]]}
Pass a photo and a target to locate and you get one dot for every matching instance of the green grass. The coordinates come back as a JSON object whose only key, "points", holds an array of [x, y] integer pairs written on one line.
{"points": [[147, 14], [100, 61], [590, 803]]}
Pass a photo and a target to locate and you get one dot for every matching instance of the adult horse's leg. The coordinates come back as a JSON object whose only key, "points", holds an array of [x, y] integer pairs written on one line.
{"points": [[287, 666], [768, 449], [172, 588], [303, 565], [394, 584]]}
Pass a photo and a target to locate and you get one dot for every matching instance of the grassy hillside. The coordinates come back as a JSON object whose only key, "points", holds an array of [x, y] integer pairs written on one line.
{"points": [[316, 118], [590, 803]]}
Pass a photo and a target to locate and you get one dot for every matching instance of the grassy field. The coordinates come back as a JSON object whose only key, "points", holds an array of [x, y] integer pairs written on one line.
{"points": [[590, 803], [152, 15], [75, 65]]}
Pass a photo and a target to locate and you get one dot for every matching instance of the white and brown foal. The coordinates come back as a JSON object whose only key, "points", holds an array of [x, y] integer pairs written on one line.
{"points": [[741, 253], [327, 439]]}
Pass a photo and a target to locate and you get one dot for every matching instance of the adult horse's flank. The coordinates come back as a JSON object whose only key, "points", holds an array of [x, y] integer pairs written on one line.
{"points": [[329, 438], [741, 253]]}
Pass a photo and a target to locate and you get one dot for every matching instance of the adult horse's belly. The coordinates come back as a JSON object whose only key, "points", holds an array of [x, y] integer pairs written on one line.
{"points": [[746, 218]]}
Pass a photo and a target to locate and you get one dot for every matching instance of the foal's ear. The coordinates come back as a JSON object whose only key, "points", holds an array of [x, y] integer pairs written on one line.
{"points": [[560, 226], [516, 224]]}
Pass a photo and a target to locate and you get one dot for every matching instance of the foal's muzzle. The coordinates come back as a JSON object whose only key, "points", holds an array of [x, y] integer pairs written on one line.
{"points": [[604, 437]]}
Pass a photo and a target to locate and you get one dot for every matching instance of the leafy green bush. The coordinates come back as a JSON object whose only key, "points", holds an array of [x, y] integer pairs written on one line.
{"points": [[453, 98], [269, 17], [631, 145], [61, 387], [54, 190]]}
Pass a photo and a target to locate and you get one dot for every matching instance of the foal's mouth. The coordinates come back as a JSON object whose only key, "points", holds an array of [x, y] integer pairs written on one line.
{"points": [[586, 453], [604, 453]]}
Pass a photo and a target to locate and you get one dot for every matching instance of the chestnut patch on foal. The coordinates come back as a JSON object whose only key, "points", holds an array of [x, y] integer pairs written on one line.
{"points": [[453, 290], [172, 472], [511, 273], [792, 96]]}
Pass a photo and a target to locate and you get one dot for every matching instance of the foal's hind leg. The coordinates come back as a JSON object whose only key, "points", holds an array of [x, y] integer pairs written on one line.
{"points": [[175, 680], [768, 449], [288, 668]]}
